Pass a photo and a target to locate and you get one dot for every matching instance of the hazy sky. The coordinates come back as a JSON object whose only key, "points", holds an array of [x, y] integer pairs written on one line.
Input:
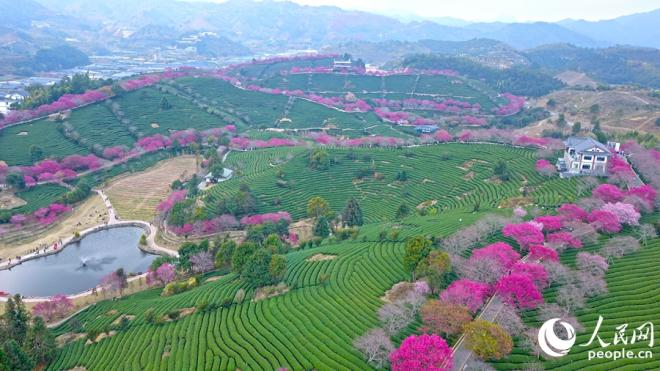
{"points": [[506, 10]]}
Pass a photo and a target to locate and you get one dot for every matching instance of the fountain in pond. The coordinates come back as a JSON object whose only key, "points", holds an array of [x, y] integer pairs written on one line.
{"points": [[80, 266]]}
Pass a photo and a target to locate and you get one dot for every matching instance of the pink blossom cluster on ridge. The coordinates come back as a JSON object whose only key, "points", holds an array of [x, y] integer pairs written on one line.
{"points": [[514, 105], [264, 218], [65, 102], [174, 198]]}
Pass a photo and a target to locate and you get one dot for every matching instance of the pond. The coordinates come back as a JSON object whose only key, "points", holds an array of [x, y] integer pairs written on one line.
{"points": [[79, 266]]}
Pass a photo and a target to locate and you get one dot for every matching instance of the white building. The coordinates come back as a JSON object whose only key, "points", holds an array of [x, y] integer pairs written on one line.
{"points": [[584, 156], [342, 65], [4, 107]]}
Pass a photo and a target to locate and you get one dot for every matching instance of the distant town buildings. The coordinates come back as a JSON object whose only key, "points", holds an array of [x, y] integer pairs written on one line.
{"points": [[8, 99]]}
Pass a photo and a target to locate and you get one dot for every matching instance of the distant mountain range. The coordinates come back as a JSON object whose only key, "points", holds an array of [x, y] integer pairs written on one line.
{"points": [[243, 27], [271, 22]]}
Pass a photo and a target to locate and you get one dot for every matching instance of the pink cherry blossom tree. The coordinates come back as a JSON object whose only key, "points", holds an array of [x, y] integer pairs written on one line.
{"points": [[605, 221], [423, 352], [519, 212], [163, 275], [519, 290], [543, 253], [466, 292], [264, 218], [202, 262], [608, 193], [592, 263], [174, 198], [572, 212], [545, 168], [535, 271], [525, 234], [56, 307], [625, 213], [501, 252], [646, 193], [562, 240], [550, 222]]}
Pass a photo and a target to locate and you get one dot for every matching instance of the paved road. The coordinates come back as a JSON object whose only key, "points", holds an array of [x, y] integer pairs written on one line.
{"points": [[490, 311]]}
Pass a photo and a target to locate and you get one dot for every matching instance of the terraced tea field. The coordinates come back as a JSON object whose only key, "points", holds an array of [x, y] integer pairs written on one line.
{"points": [[267, 334], [15, 142], [97, 125], [143, 108], [39, 196], [305, 114], [261, 109], [457, 176]]}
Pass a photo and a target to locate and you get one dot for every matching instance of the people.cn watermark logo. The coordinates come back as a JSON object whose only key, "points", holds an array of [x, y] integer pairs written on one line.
{"points": [[554, 346], [550, 343]]}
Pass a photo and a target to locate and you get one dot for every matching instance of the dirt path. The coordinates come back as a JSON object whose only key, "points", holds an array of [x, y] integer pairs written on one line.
{"points": [[111, 222], [86, 215]]}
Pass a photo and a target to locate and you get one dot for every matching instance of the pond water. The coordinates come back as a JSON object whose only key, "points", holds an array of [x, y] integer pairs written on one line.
{"points": [[79, 266]]}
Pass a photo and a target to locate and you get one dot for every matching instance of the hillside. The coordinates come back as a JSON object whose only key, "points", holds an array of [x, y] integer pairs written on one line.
{"points": [[636, 29], [280, 23], [617, 65]]}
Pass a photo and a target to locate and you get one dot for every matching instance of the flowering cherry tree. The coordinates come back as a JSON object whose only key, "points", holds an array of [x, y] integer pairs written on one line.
{"points": [[423, 352], [264, 218], [608, 193], [535, 271], [376, 346], [174, 198], [625, 213], [202, 262], [501, 252], [543, 253], [646, 193], [545, 168], [572, 212], [115, 152], [605, 221], [562, 240], [519, 212], [115, 281], [549, 222], [591, 263], [519, 290], [164, 274], [56, 307], [466, 292], [514, 104], [525, 234], [48, 215]]}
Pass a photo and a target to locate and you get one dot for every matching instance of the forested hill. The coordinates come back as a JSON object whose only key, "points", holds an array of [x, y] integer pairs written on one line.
{"points": [[518, 80], [617, 65]]}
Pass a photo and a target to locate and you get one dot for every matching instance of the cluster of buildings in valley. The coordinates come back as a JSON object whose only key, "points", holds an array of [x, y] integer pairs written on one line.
{"points": [[117, 66]]}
